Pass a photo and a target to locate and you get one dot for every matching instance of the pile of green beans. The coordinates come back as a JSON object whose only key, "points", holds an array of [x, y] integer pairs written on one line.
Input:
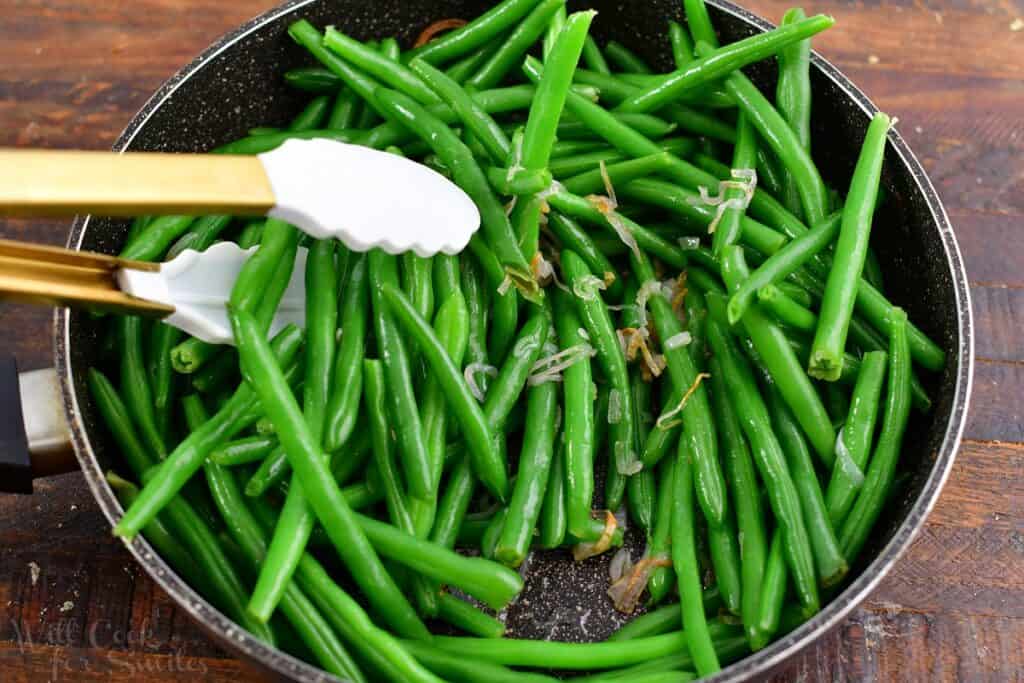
{"points": [[636, 309]]}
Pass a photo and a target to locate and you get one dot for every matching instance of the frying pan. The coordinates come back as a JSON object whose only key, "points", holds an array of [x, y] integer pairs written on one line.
{"points": [[236, 84]]}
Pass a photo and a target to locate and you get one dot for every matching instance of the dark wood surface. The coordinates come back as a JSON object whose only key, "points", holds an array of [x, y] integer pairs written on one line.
{"points": [[73, 605]]}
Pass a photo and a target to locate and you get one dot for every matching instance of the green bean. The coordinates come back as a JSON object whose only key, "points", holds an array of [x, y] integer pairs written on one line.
{"points": [[855, 437], [344, 110], [664, 619], [476, 305], [495, 224], [783, 364], [641, 488], [492, 534], [515, 45], [181, 519], [774, 131], [383, 456], [304, 455], [744, 158], [625, 59], [598, 323], [258, 144], [555, 26], [782, 263], [659, 583], [458, 668], [312, 115], [487, 462], [378, 66], [454, 503], [682, 44], [793, 99], [743, 485], [469, 112], [770, 460], [829, 561], [554, 521], [469, 618], [723, 547], [785, 310], [872, 268], [507, 181], [301, 614], [773, 593], [243, 451], [715, 64], [452, 327], [651, 127], [446, 277], [684, 562], [512, 377], [851, 250], [594, 58], [687, 205], [704, 280], [728, 647], [698, 424], [532, 478], [201, 236], [593, 181], [347, 380], [163, 539], [573, 236], [879, 476], [554, 655], [566, 167], [306, 35], [552, 90], [417, 282], [135, 384], [589, 211], [139, 224], [699, 21], [151, 242], [392, 350], [480, 31], [297, 519], [464, 69], [796, 293], [488, 581], [662, 437]]}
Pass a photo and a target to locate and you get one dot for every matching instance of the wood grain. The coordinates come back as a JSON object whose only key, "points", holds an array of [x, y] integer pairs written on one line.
{"points": [[71, 75]]}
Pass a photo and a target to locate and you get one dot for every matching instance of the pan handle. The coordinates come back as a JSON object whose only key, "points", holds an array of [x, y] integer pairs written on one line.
{"points": [[35, 439]]}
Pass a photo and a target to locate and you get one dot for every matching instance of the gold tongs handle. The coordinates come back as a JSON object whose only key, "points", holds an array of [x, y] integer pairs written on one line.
{"points": [[54, 276]]}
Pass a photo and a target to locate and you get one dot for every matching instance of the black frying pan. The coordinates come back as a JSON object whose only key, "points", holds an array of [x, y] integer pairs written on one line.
{"points": [[237, 84]]}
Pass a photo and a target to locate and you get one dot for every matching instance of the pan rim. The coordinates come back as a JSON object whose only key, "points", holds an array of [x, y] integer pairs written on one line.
{"points": [[762, 662]]}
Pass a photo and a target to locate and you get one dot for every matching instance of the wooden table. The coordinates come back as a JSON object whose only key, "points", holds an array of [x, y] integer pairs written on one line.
{"points": [[75, 607]]}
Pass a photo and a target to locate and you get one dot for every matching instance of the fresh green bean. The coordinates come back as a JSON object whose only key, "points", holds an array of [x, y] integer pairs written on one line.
{"points": [[593, 181], [828, 559], [469, 618], [855, 437], [515, 182], [379, 66], [555, 26], [312, 115], [456, 155], [699, 21], [793, 100], [480, 31], [383, 455], [347, 380], [659, 583], [746, 496], [598, 324], [782, 263], [573, 236], [594, 58], [304, 455], [417, 282], [880, 473], [771, 462], [785, 310], [458, 668], [553, 522], [773, 593], [716, 64], [135, 384], [150, 243], [682, 44], [487, 462], [392, 350], [182, 520], [469, 112], [664, 619], [512, 48], [625, 59], [851, 249], [243, 451], [744, 158], [344, 110], [464, 69], [783, 364], [684, 562], [533, 470]]}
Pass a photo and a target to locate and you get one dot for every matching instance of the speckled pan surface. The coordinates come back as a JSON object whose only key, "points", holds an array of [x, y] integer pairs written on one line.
{"points": [[237, 84]]}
